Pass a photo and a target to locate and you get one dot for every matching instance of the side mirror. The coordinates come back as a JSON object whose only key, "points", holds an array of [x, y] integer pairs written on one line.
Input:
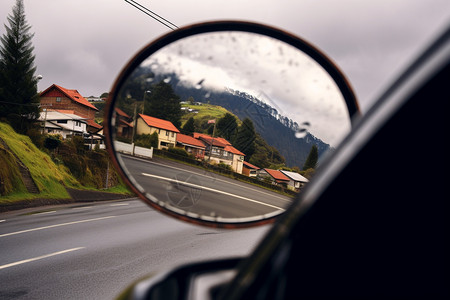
{"points": [[213, 122], [192, 281]]}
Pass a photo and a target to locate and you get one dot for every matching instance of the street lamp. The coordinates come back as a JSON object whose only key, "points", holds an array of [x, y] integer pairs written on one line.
{"points": [[143, 100]]}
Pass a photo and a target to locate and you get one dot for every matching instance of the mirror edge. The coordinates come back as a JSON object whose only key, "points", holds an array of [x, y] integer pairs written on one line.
{"points": [[216, 26]]}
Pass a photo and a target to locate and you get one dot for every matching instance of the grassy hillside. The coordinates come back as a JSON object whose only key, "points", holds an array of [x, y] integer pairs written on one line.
{"points": [[205, 112], [50, 178]]}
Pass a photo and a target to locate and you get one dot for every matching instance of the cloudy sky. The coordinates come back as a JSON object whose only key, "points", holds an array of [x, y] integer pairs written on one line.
{"points": [[84, 44]]}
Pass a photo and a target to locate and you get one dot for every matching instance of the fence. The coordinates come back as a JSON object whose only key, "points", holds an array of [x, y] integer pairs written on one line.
{"points": [[128, 148]]}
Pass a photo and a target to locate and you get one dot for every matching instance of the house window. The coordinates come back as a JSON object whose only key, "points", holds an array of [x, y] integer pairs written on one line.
{"points": [[58, 99], [61, 121], [173, 134], [167, 133]]}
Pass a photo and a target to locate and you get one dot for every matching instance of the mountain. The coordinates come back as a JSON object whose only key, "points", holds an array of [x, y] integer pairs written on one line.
{"points": [[278, 131]]}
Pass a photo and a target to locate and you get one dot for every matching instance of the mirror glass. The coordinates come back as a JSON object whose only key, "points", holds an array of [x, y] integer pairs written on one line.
{"points": [[226, 126]]}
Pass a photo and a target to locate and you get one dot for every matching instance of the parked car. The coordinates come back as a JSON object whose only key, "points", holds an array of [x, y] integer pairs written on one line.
{"points": [[373, 221]]}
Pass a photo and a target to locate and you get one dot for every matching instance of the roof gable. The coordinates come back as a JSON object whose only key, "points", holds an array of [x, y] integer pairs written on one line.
{"points": [[159, 123], [73, 95], [250, 166], [277, 175], [189, 140], [294, 176]]}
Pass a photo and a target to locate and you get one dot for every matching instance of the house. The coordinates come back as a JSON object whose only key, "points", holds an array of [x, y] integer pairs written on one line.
{"points": [[249, 169], [191, 145], [296, 182], [124, 124], [220, 150], [275, 176], [167, 132], [56, 98], [63, 122]]}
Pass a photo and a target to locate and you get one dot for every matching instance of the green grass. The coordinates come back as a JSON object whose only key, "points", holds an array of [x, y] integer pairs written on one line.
{"points": [[51, 179], [205, 112]]}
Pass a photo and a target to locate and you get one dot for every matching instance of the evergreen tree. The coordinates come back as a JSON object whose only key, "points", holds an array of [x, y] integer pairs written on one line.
{"points": [[189, 127], [227, 127], [245, 138], [164, 104], [18, 83], [311, 160]]}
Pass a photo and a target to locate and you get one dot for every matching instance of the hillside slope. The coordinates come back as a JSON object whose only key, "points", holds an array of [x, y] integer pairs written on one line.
{"points": [[50, 179]]}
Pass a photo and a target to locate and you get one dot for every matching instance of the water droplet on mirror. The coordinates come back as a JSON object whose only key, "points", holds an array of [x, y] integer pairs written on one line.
{"points": [[199, 84], [167, 79], [302, 130]]}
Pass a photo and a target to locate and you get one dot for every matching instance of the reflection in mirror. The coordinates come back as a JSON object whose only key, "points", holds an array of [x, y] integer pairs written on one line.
{"points": [[226, 126]]}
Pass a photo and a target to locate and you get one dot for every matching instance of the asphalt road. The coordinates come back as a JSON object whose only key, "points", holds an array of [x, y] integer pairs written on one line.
{"points": [[94, 251], [202, 192]]}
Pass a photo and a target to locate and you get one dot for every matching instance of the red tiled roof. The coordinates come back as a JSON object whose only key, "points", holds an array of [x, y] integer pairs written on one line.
{"points": [[93, 124], [158, 123], [121, 112], [71, 94], [277, 175], [250, 166], [189, 140], [217, 141], [233, 150]]}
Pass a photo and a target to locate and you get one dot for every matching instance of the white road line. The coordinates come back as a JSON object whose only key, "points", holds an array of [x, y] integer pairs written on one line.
{"points": [[209, 177], [120, 204], [45, 212], [53, 226], [39, 257], [82, 207], [212, 190], [2, 221]]}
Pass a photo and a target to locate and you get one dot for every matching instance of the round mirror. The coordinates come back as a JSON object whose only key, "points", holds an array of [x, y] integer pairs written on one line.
{"points": [[224, 123]]}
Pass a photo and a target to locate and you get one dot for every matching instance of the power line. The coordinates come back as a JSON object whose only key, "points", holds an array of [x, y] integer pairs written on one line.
{"points": [[152, 14]]}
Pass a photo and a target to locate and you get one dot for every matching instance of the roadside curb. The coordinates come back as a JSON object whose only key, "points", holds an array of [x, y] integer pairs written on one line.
{"points": [[77, 196]]}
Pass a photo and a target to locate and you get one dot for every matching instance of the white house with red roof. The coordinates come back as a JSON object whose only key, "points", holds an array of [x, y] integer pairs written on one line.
{"points": [[167, 132], [220, 150], [275, 176], [58, 98]]}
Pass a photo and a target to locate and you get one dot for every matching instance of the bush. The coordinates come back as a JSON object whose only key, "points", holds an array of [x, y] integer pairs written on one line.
{"points": [[147, 140], [178, 151]]}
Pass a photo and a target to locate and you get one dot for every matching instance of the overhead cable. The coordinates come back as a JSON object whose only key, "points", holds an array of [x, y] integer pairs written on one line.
{"points": [[152, 14]]}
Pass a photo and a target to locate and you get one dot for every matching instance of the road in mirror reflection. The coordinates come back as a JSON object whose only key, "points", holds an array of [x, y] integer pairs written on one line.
{"points": [[226, 126]]}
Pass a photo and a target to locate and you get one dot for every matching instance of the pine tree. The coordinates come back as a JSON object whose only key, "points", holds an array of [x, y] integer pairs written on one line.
{"points": [[227, 127], [164, 104], [245, 138], [311, 160], [189, 127], [18, 84]]}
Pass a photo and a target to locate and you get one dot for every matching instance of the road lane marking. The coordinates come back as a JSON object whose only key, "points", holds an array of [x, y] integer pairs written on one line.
{"points": [[209, 177], [2, 221], [53, 226], [45, 212], [212, 190], [120, 204], [82, 207], [39, 257]]}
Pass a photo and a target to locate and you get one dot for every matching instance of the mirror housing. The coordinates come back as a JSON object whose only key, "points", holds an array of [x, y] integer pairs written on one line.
{"points": [[191, 281], [189, 197]]}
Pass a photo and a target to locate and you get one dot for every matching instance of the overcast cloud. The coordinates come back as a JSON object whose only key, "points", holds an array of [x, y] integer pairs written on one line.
{"points": [[84, 44]]}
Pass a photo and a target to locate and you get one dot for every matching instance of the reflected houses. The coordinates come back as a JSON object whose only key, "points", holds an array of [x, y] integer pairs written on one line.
{"points": [[192, 146], [167, 132], [219, 150], [124, 124]]}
